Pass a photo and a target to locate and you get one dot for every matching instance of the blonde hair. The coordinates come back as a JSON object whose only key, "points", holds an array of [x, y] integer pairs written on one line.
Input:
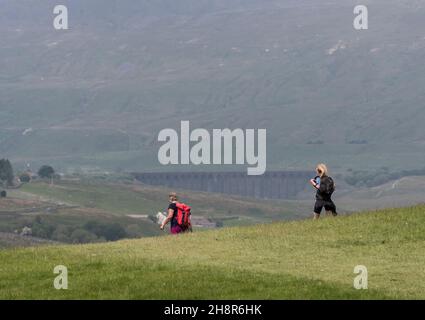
{"points": [[173, 196], [322, 169]]}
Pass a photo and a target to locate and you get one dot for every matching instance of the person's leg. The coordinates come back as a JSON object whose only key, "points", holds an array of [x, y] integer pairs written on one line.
{"points": [[318, 206], [333, 209], [176, 230], [330, 208]]}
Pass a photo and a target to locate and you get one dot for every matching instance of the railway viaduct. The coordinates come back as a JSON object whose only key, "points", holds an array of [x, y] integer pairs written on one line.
{"points": [[271, 185]]}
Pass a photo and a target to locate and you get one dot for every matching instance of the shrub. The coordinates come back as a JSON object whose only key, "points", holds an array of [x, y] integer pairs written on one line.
{"points": [[62, 233], [133, 231], [109, 231], [46, 172], [82, 236]]}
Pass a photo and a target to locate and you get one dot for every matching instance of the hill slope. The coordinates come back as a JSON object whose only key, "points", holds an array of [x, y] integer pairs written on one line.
{"points": [[304, 259], [98, 94]]}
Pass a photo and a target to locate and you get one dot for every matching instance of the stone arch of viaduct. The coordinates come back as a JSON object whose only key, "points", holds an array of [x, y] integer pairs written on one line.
{"points": [[271, 185]]}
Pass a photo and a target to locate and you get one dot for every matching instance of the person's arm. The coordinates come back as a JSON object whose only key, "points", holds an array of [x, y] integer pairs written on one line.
{"points": [[313, 183], [168, 219]]}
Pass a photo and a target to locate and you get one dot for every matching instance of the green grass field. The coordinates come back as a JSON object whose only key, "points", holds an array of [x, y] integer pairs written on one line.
{"points": [[286, 260]]}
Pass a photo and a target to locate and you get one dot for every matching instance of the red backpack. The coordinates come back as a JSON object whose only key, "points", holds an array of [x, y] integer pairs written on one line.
{"points": [[183, 215]]}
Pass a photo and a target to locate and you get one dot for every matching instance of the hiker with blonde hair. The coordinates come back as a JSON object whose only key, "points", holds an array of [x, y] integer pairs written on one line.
{"points": [[325, 187]]}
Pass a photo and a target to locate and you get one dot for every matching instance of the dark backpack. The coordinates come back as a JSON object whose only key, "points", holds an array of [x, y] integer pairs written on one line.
{"points": [[327, 185]]}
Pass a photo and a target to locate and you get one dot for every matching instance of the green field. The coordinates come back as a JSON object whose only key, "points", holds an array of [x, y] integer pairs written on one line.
{"points": [[287, 260]]}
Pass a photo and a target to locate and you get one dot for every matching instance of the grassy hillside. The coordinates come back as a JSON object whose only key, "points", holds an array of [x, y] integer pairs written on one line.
{"points": [[304, 259], [97, 95]]}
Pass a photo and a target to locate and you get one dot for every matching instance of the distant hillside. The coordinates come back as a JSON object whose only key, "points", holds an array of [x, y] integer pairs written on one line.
{"points": [[91, 210], [10, 240], [95, 96], [295, 260]]}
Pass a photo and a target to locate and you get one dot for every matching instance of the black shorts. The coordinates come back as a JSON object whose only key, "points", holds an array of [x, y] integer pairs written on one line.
{"points": [[328, 204]]}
